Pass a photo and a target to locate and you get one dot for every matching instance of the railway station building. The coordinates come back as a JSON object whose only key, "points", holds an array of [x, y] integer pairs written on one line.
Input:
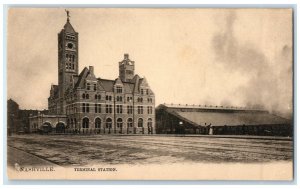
{"points": [[85, 103]]}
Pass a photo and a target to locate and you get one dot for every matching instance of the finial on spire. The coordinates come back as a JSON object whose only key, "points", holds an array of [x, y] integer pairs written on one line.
{"points": [[68, 15]]}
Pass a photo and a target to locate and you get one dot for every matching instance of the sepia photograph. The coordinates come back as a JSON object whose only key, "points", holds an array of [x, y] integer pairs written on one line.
{"points": [[150, 94]]}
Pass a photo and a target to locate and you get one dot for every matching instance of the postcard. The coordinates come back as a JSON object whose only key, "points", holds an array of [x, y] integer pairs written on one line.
{"points": [[150, 93]]}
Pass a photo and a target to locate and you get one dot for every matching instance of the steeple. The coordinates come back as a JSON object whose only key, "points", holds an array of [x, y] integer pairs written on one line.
{"points": [[68, 27], [67, 58]]}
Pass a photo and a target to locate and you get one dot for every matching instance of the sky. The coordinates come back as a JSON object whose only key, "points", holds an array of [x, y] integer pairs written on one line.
{"points": [[229, 57]]}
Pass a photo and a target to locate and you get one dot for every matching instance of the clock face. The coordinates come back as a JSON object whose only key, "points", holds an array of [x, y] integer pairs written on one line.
{"points": [[70, 45]]}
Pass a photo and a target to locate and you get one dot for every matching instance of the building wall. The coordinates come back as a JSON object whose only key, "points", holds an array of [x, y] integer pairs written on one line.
{"points": [[76, 112]]}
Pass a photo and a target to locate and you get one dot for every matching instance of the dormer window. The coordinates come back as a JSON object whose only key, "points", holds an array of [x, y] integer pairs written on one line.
{"points": [[95, 87], [147, 91], [88, 86], [119, 89]]}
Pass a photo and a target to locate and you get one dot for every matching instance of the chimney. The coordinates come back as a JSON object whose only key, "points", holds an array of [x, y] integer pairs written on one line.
{"points": [[126, 56], [91, 68]]}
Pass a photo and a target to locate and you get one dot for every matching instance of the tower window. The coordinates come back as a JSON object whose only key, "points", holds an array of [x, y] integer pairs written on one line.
{"points": [[129, 72]]}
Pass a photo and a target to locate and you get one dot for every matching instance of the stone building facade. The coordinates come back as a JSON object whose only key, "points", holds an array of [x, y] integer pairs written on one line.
{"points": [[94, 105]]}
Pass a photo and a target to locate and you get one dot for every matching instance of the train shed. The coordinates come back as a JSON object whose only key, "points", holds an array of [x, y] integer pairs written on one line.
{"points": [[219, 120]]}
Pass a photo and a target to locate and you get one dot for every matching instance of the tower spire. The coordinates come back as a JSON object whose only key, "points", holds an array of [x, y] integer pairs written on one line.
{"points": [[68, 15]]}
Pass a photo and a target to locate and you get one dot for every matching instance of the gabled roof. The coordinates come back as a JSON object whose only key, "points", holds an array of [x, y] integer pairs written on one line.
{"points": [[118, 81], [108, 85], [143, 82], [136, 80], [81, 77]]}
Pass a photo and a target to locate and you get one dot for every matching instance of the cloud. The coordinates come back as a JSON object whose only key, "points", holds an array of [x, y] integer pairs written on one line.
{"points": [[269, 81]]}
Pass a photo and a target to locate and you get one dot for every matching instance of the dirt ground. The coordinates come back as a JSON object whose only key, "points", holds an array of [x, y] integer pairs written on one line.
{"points": [[73, 150]]}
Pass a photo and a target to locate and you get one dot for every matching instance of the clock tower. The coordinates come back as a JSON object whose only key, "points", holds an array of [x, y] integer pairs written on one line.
{"points": [[67, 60]]}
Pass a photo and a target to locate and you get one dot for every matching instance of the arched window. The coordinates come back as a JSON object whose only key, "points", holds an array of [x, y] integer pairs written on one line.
{"points": [[97, 123], [87, 96], [149, 123], [119, 123], [140, 122], [129, 122], [60, 127], [108, 123], [96, 96], [85, 122], [83, 96]]}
